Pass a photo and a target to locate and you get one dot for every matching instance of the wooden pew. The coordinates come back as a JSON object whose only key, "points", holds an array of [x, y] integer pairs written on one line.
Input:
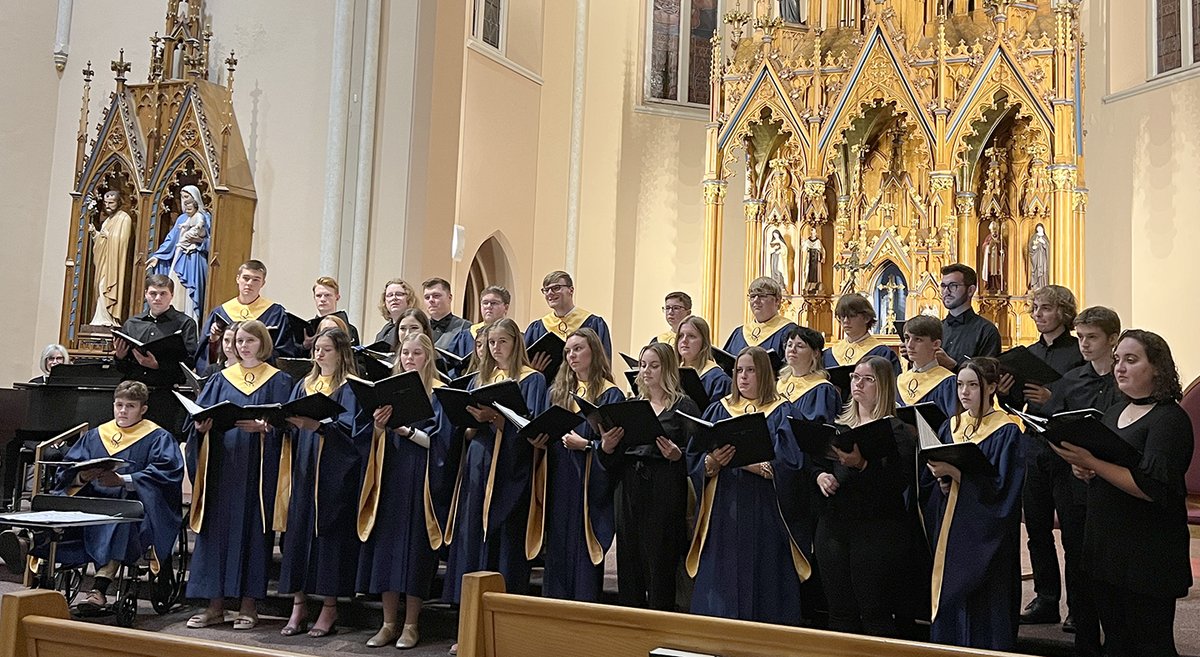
{"points": [[37, 623], [493, 623]]}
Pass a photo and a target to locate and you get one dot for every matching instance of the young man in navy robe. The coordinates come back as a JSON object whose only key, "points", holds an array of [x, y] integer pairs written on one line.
{"points": [[247, 305], [564, 317], [768, 329]]}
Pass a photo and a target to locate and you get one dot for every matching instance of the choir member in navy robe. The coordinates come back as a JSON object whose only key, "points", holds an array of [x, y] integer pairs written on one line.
{"points": [[226, 355], [677, 306], [235, 472], [1136, 542], [397, 519], [802, 381], [247, 305], [153, 476], [397, 296], [862, 535], [973, 522], [694, 346], [490, 518], [571, 512], [746, 555], [493, 305], [926, 382], [857, 318], [652, 488], [564, 317], [320, 461], [768, 328]]}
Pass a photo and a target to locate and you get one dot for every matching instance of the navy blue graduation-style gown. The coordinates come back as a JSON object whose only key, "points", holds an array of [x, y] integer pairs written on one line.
{"points": [[717, 383], [769, 335], [975, 535], [850, 353], [748, 552], [156, 468], [264, 310], [812, 397], [571, 510], [565, 325], [234, 474], [937, 385], [397, 523], [320, 542], [491, 500]]}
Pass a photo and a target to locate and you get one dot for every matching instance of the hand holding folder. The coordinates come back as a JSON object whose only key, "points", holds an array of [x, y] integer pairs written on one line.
{"points": [[749, 435]]}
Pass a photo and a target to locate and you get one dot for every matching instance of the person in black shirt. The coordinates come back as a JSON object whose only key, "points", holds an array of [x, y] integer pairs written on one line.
{"points": [[964, 333], [1047, 478], [160, 320], [444, 323], [1135, 549]]}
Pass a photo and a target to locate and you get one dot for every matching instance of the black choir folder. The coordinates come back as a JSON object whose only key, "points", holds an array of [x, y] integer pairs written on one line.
{"points": [[840, 377], [1027, 368], [374, 361], [453, 362], [297, 368], [73, 468], [169, 347], [1085, 429], [404, 392], [749, 435], [551, 345], [930, 412], [555, 422], [875, 439], [455, 402], [966, 456], [630, 361], [728, 361], [635, 416], [224, 414], [194, 380]]}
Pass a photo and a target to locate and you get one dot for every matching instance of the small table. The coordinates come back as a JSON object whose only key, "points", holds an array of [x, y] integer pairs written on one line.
{"points": [[56, 523]]}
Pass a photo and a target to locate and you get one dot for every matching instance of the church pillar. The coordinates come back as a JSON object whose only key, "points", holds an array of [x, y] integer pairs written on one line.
{"points": [[1065, 269], [753, 209], [968, 236], [335, 146], [357, 304], [62, 36], [714, 210]]}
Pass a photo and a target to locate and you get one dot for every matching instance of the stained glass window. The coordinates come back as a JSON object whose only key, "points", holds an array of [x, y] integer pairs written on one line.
{"points": [[1168, 45], [663, 74], [491, 23], [703, 26]]}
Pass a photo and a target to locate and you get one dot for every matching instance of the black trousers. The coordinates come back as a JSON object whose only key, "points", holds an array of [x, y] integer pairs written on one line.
{"points": [[860, 570], [1050, 488], [1135, 624], [651, 516]]}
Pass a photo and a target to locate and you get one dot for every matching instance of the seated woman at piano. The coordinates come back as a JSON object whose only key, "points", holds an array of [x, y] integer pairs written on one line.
{"points": [[152, 474], [53, 354]]}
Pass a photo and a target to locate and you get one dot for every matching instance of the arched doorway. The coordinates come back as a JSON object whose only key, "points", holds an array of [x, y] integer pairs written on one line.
{"points": [[488, 267]]}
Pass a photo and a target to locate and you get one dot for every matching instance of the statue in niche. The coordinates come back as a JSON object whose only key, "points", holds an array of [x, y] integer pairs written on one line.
{"points": [[781, 200], [814, 257], [183, 254], [790, 11], [780, 260], [992, 270], [1039, 258], [888, 293], [111, 260]]}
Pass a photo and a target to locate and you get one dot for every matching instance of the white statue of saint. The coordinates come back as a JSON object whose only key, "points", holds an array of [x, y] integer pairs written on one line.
{"points": [[779, 260], [111, 260], [1039, 258]]}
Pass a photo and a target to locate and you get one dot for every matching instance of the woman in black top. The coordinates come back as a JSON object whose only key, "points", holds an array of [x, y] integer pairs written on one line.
{"points": [[652, 489], [1135, 551]]}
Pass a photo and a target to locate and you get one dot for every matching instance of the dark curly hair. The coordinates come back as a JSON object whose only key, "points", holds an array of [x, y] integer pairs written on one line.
{"points": [[1166, 375]]}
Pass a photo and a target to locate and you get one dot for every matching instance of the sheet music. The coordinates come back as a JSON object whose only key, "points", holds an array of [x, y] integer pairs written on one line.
{"points": [[57, 517]]}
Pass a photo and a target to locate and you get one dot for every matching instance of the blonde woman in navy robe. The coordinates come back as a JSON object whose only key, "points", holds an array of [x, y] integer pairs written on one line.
{"points": [[693, 343], [571, 512], [803, 382], [397, 521], [768, 328], [857, 317], [319, 463], [926, 381], [235, 472], [564, 317], [492, 496], [973, 522], [743, 556]]}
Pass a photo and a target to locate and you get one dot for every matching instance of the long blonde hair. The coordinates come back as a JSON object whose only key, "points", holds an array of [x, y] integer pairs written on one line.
{"points": [[885, 394], [766, 393], [346, 364], [429, 369], [669, 363], [519, 359], [566, 382], [705, 353]]}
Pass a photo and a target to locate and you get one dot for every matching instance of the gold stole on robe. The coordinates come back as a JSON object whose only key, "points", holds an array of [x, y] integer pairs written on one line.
{"points": [[755, 332], [246, 380], [667, 337], [915, 385], [283, 485], [964, 430], [243, 312], [795, 387], [535, 527], [497, 376], [567, 324], [704, 515], [849, 353], [115, 439]]}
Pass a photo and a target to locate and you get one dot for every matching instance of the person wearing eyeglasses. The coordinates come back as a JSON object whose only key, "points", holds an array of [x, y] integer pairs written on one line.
{"points": [[965, 334], [564, 317], [493, 305], [676, 307], [767, 329]]}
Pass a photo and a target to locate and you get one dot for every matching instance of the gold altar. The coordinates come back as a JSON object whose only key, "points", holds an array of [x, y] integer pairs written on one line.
{"points": [[885, 139]]}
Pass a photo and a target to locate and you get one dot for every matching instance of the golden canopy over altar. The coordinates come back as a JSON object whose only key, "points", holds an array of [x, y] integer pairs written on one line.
{"points": [[885, 139]]}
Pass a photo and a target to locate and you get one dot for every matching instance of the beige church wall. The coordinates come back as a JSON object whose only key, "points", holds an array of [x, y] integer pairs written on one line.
{"points": [[27, 36]]}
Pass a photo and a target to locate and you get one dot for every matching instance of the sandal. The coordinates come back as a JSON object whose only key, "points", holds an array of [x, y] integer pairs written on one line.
{"points": [[317, 632], [244, 622], [206, 619], [293, 630]]}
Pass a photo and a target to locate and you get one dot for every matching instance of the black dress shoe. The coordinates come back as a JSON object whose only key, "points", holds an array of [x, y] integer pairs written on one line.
{"points": [[1069, 624], [1040, 611], [13, 548]]}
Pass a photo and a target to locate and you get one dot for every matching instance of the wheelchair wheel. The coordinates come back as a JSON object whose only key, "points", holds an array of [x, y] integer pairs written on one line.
{"points": [[68, 581], [125, 608]]}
